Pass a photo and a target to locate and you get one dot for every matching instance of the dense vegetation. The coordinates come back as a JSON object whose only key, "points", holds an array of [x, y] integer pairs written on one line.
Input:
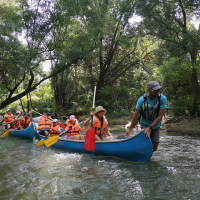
{"points": [[120, 45]]}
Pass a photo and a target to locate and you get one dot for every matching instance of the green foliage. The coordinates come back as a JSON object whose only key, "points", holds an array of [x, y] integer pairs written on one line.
{"points": [[44, 98], [181, 106], [95, 41]]}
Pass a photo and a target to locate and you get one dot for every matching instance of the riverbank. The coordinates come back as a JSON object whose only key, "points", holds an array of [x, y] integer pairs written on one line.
{"points": [[182, 125], [189, 126]]}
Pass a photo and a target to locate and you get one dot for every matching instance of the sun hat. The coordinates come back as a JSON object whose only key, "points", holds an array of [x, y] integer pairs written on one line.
{"points": [[8, 110], [72, 118], [55, 120], [98, 109], [18, 112], [47, 112], [154, 85]]}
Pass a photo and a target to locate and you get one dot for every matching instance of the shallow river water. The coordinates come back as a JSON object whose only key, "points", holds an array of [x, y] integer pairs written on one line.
{"points": [[30, 172]]}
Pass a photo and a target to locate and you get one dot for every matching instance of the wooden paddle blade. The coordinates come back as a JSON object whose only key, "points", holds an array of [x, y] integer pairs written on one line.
{"points": [[51, 141], [90, 140], [40, 143], [5, 133]]}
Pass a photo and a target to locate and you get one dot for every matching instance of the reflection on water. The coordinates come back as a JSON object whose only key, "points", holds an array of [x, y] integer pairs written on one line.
{"points": [[30, 172]]}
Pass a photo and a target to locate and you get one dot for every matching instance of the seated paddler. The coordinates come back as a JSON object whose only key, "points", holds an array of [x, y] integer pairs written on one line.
{"points": [[8, 117], [100, 124], [16, 120], [44, 122], [55, 131], [73, 130], [25, 122]]}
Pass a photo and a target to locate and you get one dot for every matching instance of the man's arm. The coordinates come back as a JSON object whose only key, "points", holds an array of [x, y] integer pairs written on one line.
{"points": [[5, 116], [87, 121], [155, 122]]}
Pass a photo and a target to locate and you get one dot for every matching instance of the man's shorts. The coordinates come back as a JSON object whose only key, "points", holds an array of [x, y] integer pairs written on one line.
{"points": [[155, 133]]}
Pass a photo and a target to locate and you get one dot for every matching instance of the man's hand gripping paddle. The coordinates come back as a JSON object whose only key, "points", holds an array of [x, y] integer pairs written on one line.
{"points": [[90, 134]]}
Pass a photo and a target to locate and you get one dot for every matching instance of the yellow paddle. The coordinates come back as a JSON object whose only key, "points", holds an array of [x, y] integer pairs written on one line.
{"points": [[5, 133], [41, 142], [51, 141]]}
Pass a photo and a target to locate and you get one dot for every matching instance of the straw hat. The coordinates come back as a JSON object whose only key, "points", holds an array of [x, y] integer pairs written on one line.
{"points": [[98, 109]]}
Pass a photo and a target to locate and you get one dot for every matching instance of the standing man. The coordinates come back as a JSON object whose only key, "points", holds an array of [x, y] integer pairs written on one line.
{"points": [[150, 109]]}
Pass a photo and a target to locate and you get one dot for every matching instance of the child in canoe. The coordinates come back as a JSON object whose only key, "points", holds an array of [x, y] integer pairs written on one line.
{"points": [[55, 131], [73, 129], [16, 120], [100, 124], [25, 121]]}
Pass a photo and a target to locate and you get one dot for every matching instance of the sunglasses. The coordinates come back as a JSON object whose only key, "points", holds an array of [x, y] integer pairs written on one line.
{"points": [[155, 91]]}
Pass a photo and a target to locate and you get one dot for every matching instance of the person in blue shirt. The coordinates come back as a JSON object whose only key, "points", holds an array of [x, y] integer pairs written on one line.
{"points": [[150, 109]]}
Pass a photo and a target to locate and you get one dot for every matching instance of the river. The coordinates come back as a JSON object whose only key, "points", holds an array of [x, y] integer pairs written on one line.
{"points": [[30, 172]]}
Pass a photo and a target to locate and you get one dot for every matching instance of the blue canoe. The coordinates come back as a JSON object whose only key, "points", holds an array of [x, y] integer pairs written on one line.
{"points": [[135, 148], [25, 133]]}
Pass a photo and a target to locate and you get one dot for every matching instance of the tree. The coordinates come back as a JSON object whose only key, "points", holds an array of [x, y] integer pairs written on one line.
{"points": [[117, 46], [46, 27], [170, 21]]}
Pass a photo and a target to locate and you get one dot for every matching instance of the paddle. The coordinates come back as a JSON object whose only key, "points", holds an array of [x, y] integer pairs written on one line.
{"points": [[41, 142], [90, 134], [42, 115], [54, 139], [5, 133]]}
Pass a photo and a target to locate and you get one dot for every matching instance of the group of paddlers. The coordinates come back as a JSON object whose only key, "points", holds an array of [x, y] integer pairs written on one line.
{"points": [[18, 122], [47, 126]]}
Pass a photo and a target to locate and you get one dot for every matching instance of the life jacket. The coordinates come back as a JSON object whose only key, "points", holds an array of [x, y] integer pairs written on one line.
{"points": [[45, 123], [53, 132], [99, 126], [156, 108], [25, 122], [8, 120], [72, 131], [16, 124]]}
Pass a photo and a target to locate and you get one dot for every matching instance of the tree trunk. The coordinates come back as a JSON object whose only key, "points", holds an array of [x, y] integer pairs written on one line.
{"points": [[113, 92], [195, 84]]}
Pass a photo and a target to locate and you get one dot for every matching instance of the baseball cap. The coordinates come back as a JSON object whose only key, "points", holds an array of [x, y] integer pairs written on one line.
{"points": [[55, 120], [47, 112], [18, 112], [72, 118], [8, 110], [154, 85]]}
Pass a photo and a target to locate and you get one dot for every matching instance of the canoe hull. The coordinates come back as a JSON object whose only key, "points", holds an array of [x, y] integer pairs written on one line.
{"points": [[25, 133], [136, 148]]}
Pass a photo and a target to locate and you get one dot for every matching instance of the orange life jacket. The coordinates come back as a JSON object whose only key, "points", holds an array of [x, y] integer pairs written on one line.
{"points": [[53, 132], [99, 127], [74, 131], [8, 120], [16, 124], [24, 122], [45, 123]]}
